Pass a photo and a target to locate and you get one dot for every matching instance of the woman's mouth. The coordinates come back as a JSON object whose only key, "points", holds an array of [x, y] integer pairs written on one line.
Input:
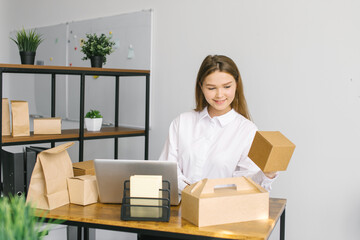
{"points": [[219, 101]]}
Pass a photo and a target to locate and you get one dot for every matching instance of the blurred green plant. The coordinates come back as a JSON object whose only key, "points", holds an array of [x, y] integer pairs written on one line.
{"points": [[97, 46], [27, 41], [19, 222], [93, 114]]}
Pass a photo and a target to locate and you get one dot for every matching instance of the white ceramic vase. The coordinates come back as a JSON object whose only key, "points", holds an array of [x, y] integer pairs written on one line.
{"points": [[93, 124]]}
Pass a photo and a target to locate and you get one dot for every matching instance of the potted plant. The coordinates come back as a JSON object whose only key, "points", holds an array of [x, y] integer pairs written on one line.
{"points": [[96, 48], [18, 220], [27, 43], [93, 120]]}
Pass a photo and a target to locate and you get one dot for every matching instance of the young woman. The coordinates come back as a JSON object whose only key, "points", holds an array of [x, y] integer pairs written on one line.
{"points": [[213, 141]]}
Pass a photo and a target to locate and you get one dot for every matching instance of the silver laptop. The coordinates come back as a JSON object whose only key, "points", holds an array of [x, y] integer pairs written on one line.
{"points": [[111, 174]]}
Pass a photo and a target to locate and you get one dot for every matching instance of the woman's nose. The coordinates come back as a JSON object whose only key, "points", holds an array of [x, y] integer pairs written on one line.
{"points": [[219, 93]]}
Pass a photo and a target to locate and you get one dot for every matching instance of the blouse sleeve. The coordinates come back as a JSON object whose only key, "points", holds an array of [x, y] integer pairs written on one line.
{"points": [[170, 153], [246, 167]]}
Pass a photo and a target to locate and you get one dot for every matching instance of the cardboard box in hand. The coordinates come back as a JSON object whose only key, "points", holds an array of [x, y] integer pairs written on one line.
{"points": [[271, 151]]}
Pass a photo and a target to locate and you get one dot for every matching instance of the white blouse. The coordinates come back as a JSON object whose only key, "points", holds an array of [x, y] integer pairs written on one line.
{"points": [[217, 147]]}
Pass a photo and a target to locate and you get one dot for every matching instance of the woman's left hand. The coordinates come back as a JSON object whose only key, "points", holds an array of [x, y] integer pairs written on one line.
{"points": [[270, 175]]}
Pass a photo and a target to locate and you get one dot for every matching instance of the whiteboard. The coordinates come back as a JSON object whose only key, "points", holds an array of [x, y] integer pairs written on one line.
{"points": [[132, 34]]}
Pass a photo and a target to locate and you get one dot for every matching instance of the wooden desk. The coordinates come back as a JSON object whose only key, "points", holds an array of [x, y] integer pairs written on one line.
{"points": [[107, 216]]}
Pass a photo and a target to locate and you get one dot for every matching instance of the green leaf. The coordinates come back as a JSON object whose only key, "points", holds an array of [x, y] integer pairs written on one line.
{"points": [[18, 220], [27, 41], [97, 46], [93, 114]]}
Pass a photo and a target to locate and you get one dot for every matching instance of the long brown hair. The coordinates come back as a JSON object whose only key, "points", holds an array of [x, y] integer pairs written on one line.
{"points": [[223, 64]]}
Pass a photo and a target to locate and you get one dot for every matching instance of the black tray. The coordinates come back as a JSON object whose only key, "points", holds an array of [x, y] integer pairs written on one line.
{"points": [[146, 209]]}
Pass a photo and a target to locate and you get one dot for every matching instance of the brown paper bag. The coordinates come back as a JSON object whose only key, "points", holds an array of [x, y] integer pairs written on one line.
{"points": [[20, 118], [47, 126], [5, 117], [48, 184]]}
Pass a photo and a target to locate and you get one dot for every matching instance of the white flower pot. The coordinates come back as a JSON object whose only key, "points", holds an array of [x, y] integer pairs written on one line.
{"points": [[93, 124]]}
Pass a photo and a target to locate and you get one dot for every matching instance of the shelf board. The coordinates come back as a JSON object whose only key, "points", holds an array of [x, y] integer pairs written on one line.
{"points": [[113, 131], [23, 68], [74, 134]]}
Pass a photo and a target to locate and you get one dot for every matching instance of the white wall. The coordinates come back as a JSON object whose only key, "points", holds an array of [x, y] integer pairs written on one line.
{"points": [[4, 37], [300, 64]]}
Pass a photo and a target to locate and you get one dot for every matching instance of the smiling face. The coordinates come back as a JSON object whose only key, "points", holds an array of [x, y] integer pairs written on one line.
{"points": [[219, 89]]}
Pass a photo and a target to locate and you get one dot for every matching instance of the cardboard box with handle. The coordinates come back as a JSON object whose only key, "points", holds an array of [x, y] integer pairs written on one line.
{"points": [[224, 200]]}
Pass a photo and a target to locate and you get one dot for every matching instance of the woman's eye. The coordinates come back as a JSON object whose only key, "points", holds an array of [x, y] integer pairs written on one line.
{"points": [[228, 86], [211, 88]]}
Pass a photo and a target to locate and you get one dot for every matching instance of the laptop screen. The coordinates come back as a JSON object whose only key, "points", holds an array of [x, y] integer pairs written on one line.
{"points": [[111, 174]]}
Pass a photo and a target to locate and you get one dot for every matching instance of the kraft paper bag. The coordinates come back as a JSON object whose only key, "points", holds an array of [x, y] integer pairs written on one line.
{"points": [[5, 117], [48, 185], [20, 118], [47, 126]]}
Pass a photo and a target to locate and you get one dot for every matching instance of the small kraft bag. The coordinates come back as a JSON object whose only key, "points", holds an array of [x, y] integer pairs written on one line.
{"points": [[48, 184], [5, 117], [20, 118]]}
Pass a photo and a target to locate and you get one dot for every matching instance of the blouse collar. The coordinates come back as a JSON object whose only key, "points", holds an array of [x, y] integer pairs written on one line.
{"points": [[223, 119]]}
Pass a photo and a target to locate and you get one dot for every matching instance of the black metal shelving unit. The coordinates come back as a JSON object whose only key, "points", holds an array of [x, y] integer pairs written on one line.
{"points": [[79, 134]]}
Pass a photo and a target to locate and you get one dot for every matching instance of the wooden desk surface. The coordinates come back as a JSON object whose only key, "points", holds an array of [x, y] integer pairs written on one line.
{"points": [[98, 215]]}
